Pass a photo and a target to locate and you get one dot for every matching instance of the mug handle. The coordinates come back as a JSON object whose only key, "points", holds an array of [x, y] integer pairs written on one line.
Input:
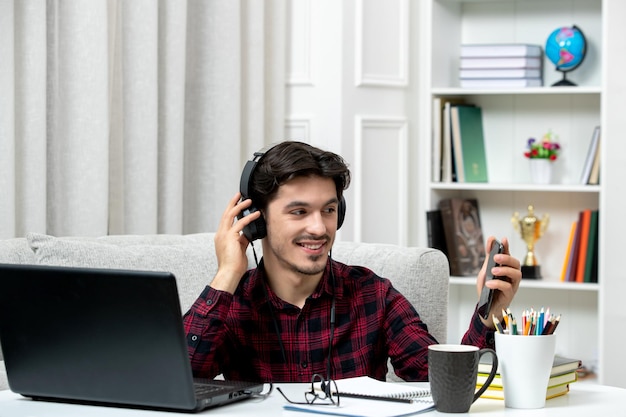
{"points": [[492, 374]]}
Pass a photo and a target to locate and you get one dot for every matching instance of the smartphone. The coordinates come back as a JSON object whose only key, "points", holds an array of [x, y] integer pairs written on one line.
{"points": [[486, 295]]}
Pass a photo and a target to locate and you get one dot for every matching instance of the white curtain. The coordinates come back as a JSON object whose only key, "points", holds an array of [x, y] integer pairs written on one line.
{"points": [[133, 116]]}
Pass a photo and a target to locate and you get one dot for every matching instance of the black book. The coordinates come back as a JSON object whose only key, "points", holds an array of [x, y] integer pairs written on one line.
{"points": [[464, 238], [436, 234]]}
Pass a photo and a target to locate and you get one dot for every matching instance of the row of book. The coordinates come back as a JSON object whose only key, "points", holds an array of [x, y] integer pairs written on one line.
{"points": [[454, 228], [501, 65], [564, 373], [591, 167], [581, 258], [458, 142]]}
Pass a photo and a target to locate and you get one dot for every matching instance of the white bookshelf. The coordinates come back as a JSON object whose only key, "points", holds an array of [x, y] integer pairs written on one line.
{"points": [[536, 284], [510, 117]]}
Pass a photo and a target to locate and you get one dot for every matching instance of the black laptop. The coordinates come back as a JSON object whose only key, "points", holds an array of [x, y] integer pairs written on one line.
{"points": [[102, 336]]}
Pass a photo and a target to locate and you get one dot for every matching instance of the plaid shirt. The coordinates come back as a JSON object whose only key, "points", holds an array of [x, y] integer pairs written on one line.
{"points": [[236, 334]]}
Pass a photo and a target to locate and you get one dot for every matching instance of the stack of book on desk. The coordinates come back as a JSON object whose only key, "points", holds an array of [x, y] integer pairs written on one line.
{"points": [[501, 65], [563, 373]]}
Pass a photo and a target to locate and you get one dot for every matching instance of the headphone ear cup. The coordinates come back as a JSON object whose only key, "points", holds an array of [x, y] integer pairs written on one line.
{"points": [[256, 229], [246, 179], [341, 212]]}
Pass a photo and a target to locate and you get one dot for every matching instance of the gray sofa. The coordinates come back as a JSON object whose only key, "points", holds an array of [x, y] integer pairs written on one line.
{"points": [[421, 274]]}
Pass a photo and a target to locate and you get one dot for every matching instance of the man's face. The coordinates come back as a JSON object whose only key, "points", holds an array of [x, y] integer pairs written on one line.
{"points": [[301, 224]]}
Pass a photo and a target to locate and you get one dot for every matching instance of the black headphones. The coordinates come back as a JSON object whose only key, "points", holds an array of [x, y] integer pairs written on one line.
{"points": [[257, 229]]}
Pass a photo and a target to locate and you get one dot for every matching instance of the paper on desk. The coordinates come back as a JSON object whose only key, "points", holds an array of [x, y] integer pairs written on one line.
{"points": [[370, 386], [353, 407], [356, 407]]}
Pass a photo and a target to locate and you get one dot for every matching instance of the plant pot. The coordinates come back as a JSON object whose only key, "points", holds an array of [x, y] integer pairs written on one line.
{"points": [[540, 171]]}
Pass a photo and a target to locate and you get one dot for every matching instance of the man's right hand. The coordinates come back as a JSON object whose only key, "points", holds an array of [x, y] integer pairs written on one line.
{"points": [[231, 244]]}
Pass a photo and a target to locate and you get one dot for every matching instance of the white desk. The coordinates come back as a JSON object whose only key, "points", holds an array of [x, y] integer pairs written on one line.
{"points": [[582, 400]]}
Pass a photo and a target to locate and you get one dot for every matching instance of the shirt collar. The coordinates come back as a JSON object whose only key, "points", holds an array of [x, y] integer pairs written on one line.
{"points": [[258, 278]]}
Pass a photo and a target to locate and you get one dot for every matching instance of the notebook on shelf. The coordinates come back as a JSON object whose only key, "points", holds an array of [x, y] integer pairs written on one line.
{"points": [[101, 336]]}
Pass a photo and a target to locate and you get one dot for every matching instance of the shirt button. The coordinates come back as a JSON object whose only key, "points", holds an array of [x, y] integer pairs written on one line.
{"points": [[194, 338], [209, 302], [304, 364]]}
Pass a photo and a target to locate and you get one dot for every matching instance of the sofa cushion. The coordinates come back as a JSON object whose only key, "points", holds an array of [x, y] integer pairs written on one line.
{"points": [[16, 251], [420, 274], [189, 257]]}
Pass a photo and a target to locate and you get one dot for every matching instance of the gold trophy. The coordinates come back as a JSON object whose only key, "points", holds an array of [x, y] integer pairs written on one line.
{"points": [[530, 229]]}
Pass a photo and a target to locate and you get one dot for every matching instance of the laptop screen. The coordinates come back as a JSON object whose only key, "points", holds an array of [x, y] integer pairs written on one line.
{"points": [[95, 335]]}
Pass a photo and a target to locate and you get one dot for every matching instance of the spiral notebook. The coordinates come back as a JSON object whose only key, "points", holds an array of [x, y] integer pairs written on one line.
{"points": [[364, 397]]}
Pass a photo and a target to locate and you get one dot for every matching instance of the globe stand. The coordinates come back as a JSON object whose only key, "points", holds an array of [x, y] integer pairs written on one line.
{"points": [[564, 82]]}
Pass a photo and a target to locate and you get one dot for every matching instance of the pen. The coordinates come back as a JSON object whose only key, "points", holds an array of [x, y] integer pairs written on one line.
{"points": [[548, 328], [374, 397], [557, 320], [496, 323], [533, 323], [540, 322], [505, 318]]}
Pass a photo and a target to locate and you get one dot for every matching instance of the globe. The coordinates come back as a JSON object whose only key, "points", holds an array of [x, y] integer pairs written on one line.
{"points": [[566, 48]]}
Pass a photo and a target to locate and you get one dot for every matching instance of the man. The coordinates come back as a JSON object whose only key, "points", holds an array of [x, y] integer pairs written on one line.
{"points": [[300, 313]]}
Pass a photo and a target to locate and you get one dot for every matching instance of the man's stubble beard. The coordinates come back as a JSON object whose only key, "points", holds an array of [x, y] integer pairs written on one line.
{"points": [[311, 270]]}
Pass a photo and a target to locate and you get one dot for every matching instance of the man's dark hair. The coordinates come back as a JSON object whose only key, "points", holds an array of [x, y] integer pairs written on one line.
{"points": [[290, 159]]}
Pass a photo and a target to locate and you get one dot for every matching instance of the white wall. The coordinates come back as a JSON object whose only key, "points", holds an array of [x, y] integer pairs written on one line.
{"points": [[351, 72]]}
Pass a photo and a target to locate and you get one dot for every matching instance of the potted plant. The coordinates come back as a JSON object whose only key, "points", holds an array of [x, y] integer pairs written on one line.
{"points": [[541, 154]]}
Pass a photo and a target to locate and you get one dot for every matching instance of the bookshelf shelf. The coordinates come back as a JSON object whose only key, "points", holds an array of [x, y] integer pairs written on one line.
{"points": [[537, 284], [516, 187], [590, 90], [510, 117]]}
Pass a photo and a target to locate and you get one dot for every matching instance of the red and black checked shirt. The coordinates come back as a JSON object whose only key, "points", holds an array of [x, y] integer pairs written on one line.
{"points": [[236, 335]]}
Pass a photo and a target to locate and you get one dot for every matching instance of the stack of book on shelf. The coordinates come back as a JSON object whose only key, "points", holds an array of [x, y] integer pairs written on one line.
{"points": [[581, 257], [458, 142], [455, 229], [591, 169], [564, 372], [501, 65]]}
